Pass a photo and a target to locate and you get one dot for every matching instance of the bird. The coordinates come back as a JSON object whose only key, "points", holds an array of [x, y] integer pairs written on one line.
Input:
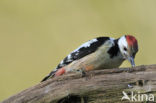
{"points": [[98, 53]]}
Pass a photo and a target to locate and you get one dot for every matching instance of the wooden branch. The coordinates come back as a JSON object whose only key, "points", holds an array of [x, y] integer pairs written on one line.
{"points": [[96, 87]]}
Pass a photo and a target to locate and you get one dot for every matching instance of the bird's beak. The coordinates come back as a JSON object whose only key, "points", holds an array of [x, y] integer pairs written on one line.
{"points": [[131, 60]]}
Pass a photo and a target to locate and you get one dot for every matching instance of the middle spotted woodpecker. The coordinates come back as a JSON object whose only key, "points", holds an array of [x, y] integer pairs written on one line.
{"points": [[98, 53]]}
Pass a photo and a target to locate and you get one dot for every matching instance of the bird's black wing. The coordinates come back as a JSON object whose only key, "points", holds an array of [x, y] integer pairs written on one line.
{"points": [[82, 51], [85, 49]]}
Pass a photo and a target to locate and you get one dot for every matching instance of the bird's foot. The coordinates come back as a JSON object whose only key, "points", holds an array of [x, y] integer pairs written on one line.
{"points": [[82, 72]]}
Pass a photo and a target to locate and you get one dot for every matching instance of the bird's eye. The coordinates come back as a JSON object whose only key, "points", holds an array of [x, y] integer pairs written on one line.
{"points": [[125, 49]]}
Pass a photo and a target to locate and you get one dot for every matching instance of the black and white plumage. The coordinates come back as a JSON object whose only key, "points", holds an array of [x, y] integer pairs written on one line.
{"points": [[80, 52], [85, 49], [105, 48]]}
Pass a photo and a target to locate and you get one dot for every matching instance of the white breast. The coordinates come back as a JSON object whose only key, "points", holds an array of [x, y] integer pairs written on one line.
{"points": [[103, 59]]}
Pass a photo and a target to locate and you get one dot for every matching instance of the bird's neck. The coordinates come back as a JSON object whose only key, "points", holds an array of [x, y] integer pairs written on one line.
{"points": [[114, 50]]}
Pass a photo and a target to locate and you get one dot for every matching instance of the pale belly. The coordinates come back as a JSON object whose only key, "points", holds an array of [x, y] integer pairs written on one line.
{"points": [[95, 62], [110, 64], [105, 62]]}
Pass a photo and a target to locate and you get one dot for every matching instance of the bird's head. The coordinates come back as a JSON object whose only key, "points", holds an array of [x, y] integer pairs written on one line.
{"points": [[128, 47]]}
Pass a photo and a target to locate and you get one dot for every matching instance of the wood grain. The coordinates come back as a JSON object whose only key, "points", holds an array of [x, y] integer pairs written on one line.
{"points": [[99, 86]]}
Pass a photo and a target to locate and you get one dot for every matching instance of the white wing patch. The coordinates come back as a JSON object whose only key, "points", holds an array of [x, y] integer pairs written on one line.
{"points": [[69, 58], [76, 51], [87, 44]]}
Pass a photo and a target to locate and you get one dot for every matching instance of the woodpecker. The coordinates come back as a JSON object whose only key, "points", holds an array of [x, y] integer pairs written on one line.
{"points": [[98, 53]]}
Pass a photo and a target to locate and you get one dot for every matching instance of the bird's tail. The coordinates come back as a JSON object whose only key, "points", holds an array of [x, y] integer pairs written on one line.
{"points": [[57, 72], [51, 74]]}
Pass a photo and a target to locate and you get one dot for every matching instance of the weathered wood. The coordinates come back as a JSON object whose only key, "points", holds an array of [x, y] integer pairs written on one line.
{"points": [[99, 86]]}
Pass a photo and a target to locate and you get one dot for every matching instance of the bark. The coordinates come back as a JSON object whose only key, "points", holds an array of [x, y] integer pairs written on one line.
{"points": [[99, 86]]}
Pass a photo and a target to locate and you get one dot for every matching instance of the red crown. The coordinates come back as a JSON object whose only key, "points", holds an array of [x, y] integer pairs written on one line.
{"points": [[132, 42]]}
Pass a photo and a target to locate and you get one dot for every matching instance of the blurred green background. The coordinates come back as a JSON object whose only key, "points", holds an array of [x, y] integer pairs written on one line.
{"points": [[35, 35]]}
